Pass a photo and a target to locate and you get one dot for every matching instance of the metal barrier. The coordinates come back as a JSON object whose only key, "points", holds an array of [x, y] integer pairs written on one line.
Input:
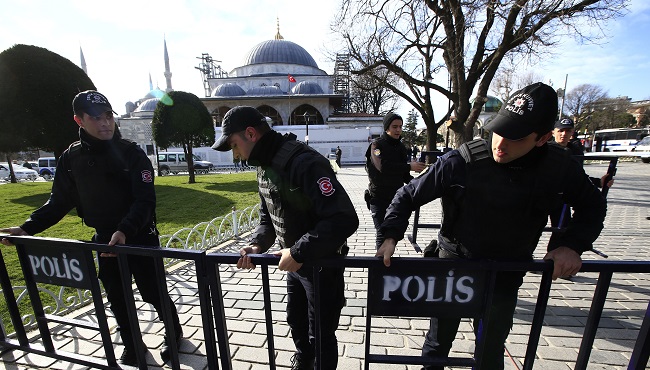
{"points": [[71, 263], [201, 237], [397, 291]]}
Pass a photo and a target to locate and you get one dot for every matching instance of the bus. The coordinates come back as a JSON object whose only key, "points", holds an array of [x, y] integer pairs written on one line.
{"points": [[617, 139]]}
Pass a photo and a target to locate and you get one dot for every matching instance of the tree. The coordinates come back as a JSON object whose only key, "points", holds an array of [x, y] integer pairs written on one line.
{"points": [[415, 40], [579, 99], [409, 133], [368, 94], [507, 80], [36, 93], [180, 119]]}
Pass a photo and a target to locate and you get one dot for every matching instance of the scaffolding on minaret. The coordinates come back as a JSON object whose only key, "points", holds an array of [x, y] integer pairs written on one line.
{"points": [[209, 69], [342, 81]]}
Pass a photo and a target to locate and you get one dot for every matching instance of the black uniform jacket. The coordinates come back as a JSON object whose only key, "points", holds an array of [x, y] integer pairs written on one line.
{"points": [[110, 183], [303, 204], [498, 211], [387, 166]]}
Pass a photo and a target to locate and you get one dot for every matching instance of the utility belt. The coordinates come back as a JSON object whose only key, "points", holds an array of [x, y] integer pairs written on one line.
{"points": [[455, 249]]}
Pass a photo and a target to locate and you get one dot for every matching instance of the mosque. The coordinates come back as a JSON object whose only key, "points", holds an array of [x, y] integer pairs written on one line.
{"points": [[283, 81]]}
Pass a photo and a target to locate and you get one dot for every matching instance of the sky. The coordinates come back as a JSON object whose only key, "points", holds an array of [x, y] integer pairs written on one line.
{"points": [[122, 42]]}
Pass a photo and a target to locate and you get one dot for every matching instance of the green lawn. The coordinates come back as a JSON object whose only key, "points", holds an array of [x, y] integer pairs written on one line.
{"points": [[179, 205]]}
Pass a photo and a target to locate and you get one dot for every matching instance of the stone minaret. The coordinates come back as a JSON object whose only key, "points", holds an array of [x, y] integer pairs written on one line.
{"points": [[83, 61], [168, 73]]}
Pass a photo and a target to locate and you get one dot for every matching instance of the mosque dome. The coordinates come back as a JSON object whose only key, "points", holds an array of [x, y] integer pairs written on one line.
{"points": [[148, 105], [279, 51], [155, 93], [228, 89], [307, 87], [265, 90], [492, 105]]}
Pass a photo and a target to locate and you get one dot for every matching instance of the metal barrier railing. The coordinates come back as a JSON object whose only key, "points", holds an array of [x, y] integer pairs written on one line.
{"points": [[201, 237], [382, 299], [71, 263]]}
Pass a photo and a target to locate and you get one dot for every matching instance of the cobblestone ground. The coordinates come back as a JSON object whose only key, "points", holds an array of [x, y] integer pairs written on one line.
{"points": [[625, 237]]}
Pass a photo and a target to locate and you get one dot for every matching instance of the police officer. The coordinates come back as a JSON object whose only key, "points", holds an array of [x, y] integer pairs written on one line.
{"points": [[308, 211], [110, 182], [496, 197], [388, 168]]}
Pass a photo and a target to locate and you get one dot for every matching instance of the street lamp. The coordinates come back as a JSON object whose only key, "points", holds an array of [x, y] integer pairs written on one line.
{"points": [[306, 115]]}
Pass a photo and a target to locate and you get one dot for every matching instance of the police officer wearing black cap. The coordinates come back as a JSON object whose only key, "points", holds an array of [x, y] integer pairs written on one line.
{"points": [[496, 197], [110, 181], [388, 168], [563, 135], [305, 207]]}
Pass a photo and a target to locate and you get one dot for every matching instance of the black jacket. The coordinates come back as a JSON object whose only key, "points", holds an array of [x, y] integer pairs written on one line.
{"points": [[498, 211], [302, 202], [110, 183], [388, 167]]}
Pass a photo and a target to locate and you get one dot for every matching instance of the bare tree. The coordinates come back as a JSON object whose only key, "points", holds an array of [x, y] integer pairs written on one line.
{"points": [[369, 93], [507, 80], [579, 99], [608, 113], [415, 40]]}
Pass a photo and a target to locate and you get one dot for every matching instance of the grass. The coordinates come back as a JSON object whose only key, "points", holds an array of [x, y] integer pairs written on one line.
{"points": [[179, 205]]}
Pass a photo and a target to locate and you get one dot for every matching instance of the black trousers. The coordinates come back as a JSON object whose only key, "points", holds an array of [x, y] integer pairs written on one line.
{"points": [[442, 331], [378, 209], [143, 271], [301, 312]]}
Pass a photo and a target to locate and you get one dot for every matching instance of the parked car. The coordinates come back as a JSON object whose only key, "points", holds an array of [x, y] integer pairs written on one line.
{"points": [[174, 162], [46, 167], [21, 172], [643, 148]]}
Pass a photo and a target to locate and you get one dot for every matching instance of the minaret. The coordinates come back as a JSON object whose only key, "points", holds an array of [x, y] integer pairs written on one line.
{"points": [[83, 61], [168, 73], [150, 83]]}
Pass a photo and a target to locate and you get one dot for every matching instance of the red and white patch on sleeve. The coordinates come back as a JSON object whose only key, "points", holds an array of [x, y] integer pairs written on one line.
{"points": [[147, 176], [325, 186]]}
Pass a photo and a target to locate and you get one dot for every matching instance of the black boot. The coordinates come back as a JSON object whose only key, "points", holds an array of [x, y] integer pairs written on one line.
{"points": [[165, 350], [301, 363], [129, 357]]}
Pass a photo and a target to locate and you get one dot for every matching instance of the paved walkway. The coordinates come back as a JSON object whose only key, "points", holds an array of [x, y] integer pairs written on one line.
{"points": [[626, 237]]}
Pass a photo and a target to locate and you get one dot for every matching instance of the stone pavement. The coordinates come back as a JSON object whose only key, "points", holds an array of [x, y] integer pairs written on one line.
{"points": [[626, 237]]}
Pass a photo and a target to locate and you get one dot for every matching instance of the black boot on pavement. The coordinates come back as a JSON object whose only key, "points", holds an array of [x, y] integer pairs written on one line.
{"points": [[129, 357], [300, 363], [165, 350]]}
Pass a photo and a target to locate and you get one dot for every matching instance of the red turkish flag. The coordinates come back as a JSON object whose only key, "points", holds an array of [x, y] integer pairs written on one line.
{"points": [[291, 79]]}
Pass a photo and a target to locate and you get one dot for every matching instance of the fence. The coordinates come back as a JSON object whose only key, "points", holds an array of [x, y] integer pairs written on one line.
{"points": [[395, 291], [201, 237]]}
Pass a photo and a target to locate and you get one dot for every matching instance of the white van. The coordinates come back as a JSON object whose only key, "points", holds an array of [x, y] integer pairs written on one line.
{"points": [[46, 167], [174, 162]]}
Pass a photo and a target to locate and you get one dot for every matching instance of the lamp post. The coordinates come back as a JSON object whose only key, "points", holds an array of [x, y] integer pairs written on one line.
{"points": [[306, 115]]}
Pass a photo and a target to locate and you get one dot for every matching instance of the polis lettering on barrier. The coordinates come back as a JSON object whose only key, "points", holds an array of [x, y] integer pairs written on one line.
{"points": [[452, 289], [63, 268]]}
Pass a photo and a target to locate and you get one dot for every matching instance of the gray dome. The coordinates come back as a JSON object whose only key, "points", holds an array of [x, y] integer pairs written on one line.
{"points": [[228, 89], [148, 105], [279, 51], [265, 90], [155, 93], [307, 87]]}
